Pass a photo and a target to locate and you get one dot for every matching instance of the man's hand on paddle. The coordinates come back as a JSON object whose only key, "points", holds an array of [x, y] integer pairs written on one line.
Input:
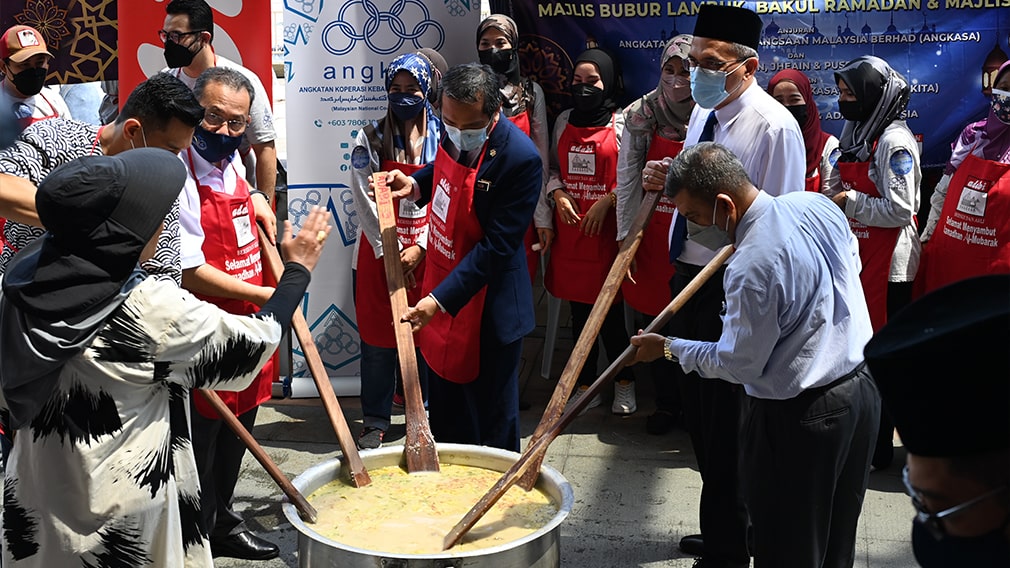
{"points": [[421, 314], [400, 185], [650, 347]]}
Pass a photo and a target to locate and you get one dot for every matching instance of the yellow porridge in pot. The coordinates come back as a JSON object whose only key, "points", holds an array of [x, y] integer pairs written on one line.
{"points": [[406, 513]]}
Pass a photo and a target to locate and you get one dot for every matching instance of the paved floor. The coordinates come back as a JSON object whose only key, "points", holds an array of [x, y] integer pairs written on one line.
{"points": [[635, 494]]}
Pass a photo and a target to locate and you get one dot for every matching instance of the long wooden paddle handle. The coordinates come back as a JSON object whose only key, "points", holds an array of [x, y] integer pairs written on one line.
{"points": [[419, 445], [305, 510], [535, 451], [359, 475], [586, 339]]}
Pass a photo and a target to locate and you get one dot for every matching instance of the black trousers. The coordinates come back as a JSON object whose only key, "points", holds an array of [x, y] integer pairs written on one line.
{"points": [[613, 334], [712, 413], [807, 462], [219, 455]]}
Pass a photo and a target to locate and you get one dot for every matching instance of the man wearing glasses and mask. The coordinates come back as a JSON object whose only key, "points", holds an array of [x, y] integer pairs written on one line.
{"points": [[943, 371], [221, 264], [188, 38]]}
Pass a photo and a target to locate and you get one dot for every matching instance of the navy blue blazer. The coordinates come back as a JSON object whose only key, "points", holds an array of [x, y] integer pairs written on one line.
{"points": [[504, 207]]}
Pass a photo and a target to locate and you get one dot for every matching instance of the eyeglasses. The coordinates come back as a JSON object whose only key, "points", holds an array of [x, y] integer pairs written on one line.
{"points": [[710, 64], [175, 36], [932, 520], [235, 126]]}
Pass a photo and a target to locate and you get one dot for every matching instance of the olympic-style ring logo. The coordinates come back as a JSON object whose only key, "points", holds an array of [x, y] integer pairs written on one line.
{"points": [[376, 19]]}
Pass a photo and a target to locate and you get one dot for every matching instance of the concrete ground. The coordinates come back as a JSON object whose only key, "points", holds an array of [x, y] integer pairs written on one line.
{"points": [[635, 494]]}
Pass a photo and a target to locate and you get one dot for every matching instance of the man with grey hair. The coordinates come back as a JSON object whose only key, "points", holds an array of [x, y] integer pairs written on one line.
{"points": [[483, 187], [795, 326], [221, 264], [732, 109]]}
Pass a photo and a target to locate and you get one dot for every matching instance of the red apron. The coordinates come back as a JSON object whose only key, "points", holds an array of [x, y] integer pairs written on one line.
{"points": [[813, 183], [451, 344], [972, 237], [876, 244], [579, 264], [231, 244], [522, 120], [652, 292], [371, 294]]}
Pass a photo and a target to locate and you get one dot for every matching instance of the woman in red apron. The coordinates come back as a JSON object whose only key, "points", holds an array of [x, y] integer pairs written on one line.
{"points": [[524, 104], [583, 178], [405, 139], [792, 88], [654, 129], [876, 182], [968, 231]]}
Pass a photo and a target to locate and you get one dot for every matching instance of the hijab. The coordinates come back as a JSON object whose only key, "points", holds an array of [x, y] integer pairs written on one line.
{"points": [[654, 111], [883, 95], [517, 93], [57, 293], [393, 142], [814, 138], [988, 138], [610, 74]]}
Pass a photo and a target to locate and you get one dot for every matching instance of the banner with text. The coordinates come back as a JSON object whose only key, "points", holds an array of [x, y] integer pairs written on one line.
{"points": [[948, 50], [335, 57]]}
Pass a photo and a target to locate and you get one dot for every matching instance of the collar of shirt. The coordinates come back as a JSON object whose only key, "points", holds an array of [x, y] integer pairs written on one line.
{"points": [[754, 212]]}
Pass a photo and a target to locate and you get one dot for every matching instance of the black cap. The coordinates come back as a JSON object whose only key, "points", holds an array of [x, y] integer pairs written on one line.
{"points": [[133, 189], [729, 23], [942, 366]]}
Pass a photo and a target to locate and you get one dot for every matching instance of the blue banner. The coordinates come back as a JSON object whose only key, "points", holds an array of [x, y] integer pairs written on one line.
{"points": [[947, 50]]}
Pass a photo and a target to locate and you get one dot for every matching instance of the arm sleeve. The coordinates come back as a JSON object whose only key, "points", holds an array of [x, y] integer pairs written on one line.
{"points": [[190, 229], [895, 172], [287, 295], [554, 178], [785, 164], [630, 161], [936, 206], [368, 216], [827, 168]]}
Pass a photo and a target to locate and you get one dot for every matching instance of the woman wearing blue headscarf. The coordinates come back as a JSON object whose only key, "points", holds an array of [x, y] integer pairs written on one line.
{"points": [[405, 139]]}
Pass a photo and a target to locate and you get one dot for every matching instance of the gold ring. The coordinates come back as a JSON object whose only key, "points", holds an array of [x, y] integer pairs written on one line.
{"points": [[321, 236]]}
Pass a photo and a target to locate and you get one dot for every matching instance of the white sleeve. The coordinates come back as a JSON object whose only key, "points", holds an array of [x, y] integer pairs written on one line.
{"points": [[190, 229]]}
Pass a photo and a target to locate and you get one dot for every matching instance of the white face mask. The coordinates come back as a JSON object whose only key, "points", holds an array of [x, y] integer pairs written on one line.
{"points": [[469, 139], [713, 237], [144, 136]]}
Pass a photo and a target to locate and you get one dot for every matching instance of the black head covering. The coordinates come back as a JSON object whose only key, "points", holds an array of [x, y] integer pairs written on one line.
{"points": [[613, 87], [729, 23], [882, 94], [100, 212], [942, 365]]}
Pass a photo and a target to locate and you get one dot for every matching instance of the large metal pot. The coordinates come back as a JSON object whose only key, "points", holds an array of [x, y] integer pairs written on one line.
{"points": [[540, 549]]}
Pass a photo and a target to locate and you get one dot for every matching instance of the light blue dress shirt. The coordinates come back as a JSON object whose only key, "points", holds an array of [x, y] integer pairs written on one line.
{"points": [[795, 315]]}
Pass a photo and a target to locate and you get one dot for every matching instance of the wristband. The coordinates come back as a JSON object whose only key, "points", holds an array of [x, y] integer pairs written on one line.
{"points": [[259, 192]]}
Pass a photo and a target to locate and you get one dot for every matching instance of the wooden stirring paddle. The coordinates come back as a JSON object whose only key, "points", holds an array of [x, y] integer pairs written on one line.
{"points": [[586, 339], [534, 453], [359, 475], [419, 445]]}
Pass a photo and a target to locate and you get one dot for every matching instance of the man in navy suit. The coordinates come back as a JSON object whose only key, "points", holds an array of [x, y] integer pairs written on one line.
{"points": [[482, 188]]}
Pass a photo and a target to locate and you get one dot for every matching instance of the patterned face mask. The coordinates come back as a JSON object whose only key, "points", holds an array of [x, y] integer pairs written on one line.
{"points": [[1001, 105]]}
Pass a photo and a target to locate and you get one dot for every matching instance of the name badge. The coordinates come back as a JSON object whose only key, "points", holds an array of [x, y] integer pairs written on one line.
{"points": [[440, 204], [483, 185], [243, 229]]}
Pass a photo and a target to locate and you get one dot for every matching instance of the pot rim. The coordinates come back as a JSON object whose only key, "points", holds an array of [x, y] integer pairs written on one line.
{"points": [[547, 474]]}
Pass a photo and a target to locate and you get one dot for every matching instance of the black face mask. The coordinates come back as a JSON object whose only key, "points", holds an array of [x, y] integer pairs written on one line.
{"points": [[30, 81], [587, 97], [853, 111], [502, 61], [177, 55], [799, 112], [990, 550]]}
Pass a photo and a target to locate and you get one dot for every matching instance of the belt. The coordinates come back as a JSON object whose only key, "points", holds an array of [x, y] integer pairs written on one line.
{"points": [[840, 380]]}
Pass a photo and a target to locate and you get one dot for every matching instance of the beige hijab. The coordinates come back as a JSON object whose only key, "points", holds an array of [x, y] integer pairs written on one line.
{"points": [[652, 112]]}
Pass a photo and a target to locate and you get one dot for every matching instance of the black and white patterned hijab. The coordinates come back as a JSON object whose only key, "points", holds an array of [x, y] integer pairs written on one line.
{"points": [[882, 94]]}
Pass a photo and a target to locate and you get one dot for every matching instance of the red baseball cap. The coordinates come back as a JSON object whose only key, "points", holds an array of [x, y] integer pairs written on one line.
{"points": [[21, 42]]}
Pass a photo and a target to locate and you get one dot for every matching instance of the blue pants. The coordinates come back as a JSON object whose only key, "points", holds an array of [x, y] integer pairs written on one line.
{"points": [[380, 369]]}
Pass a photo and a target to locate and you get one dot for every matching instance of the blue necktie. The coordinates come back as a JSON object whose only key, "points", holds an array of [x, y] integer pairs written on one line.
{"points": [[680, 224]]}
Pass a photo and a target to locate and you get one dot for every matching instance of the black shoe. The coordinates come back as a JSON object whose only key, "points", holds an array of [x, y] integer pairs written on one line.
{"points": [[370, 438], [692, 544], [660, 422], [244, 545]]}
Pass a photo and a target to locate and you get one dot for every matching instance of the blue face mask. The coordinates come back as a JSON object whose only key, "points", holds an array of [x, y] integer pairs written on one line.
{"points": [[466, 140], [404, 105], [214, 147], [708, 87]]}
